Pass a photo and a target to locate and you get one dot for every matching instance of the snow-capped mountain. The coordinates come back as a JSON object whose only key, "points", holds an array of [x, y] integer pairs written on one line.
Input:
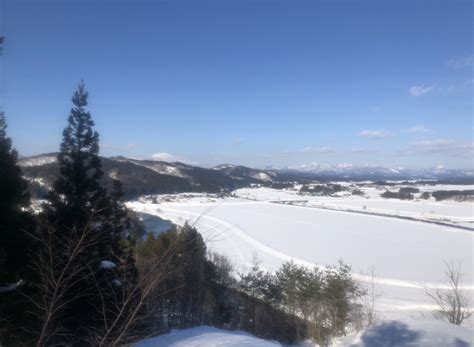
{"points": [[243, 172], [378, 172], [37, 160], [161, 167]]}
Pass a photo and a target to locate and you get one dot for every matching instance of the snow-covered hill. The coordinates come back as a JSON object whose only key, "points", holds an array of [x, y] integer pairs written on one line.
{"points": [[230, 176], [420, 332], [37, 160], [141, 177], [243, 172], [162, 167]]}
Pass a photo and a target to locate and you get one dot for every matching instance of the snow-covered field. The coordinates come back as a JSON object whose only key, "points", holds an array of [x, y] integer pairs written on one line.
{"points": [[457, 213], [406, 255]]}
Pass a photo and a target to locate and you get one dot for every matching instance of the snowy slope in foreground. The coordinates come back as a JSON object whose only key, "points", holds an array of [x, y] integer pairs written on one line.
{"points": [[409, 333], [205, 336], [412, 333]]}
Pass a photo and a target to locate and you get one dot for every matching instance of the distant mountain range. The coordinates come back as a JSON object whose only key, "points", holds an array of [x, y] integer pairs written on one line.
{"points": [[140, 177], [375, 172]]}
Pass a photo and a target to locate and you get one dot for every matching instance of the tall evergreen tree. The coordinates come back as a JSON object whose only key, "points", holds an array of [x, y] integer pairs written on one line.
{"points": [[123, 243], [78, 191], [79, 198], [79, 202], [14, 198], [15, 244]]}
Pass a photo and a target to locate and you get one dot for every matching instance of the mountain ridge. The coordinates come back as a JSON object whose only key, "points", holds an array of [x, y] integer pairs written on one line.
{"points": [[372, 169], [144, 176]]}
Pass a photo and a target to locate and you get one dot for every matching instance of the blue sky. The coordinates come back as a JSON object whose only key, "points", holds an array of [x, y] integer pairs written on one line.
{"points": [[249, 82]]}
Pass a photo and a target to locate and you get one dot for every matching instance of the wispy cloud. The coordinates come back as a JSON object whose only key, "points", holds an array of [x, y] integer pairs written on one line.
{"points": [[440, 146], [420, 90], [433, 144], [417, 129], [438, 88], [374, 134], [318, 150], [363, 150], [461, 63]]}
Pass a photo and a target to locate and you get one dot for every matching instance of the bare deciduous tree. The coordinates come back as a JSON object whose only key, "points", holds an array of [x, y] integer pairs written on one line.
{"points": [[58, 272], [223, 267], [369, 300], [127, 308], [452, 302]]}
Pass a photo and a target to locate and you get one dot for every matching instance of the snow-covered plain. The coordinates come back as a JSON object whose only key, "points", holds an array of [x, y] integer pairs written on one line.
{"points": [[457, 213], [406, 255]]}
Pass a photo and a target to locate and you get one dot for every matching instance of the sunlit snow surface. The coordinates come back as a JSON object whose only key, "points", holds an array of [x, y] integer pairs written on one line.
{"points": [[409, 333], [205, 336], [406, 255]]}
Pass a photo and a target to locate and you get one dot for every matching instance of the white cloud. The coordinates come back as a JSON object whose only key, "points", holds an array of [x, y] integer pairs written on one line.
{"points": [[374, 134], [461, 63], [419, 90], [319, 150], [363, 150], [164, 157], [436, 143], [441, 146], [417, 129]]}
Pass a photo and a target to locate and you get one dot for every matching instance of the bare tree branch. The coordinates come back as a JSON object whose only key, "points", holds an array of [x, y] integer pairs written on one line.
{"points": [[452, 303]]}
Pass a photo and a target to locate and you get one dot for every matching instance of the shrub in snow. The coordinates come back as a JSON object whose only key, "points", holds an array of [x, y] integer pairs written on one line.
{"points": [[425, 195], [453, 304], [327, 299]]}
